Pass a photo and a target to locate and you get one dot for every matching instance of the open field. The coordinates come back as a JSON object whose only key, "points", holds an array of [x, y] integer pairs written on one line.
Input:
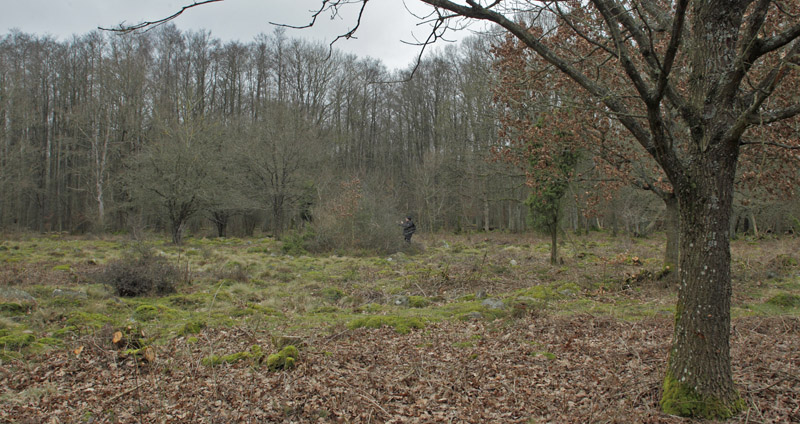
{"points": [[473, 328]]}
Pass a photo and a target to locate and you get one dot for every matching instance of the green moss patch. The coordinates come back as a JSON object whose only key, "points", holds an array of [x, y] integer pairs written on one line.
{"points": [[13, 308], [683, 400], [254, 354], [16, 341], [418, 302], [192, 327], [402, 325], [283, 360]]}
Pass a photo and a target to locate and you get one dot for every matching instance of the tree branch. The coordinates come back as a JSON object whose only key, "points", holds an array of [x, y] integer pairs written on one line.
{"points": [[123, 29]]}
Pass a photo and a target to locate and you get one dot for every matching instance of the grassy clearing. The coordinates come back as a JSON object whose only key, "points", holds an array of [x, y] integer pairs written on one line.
{"points": [[51, 295]]}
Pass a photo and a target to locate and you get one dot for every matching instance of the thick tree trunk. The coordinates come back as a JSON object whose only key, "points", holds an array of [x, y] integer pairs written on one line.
{"points": [[698, 380]]}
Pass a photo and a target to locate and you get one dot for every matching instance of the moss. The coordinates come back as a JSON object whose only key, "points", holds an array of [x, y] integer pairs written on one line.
{"points": [[539, 292], [255, 354], [192, 327], [785, 300], [569, 289], [418, 302], [145, 313], [683, 400], [87, 319], [325, 310], [64, 267], [16, 341], [66, 302], [13, 308], [189, 300], [402, 325], [215, 360], [66, 331], [332, 294], [283, 360]]}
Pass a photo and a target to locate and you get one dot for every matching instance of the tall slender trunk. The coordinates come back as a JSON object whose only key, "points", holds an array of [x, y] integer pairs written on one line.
{"points": [[554, 241]]}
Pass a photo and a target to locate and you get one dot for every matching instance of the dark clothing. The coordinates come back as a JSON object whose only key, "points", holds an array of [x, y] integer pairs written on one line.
{"points": [[408, 229]]}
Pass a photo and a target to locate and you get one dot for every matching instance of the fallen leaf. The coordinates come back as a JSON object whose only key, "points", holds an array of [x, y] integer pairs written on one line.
{"points": [[149, 354]]}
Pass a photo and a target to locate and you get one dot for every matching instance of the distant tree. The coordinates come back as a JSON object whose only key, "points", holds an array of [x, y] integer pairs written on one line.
{"points": [[177, 172], [276, 155]]}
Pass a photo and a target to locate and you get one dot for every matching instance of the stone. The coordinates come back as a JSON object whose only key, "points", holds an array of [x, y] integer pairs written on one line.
{"points": [[493, 303], [400, 300], [16, 294]]}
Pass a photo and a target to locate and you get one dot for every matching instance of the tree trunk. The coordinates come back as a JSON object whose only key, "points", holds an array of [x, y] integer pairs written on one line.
{"points": [[672, 222], [486, 227], [220, 220], [698, 380], [554, 242], [176, 229], [753, 224]]}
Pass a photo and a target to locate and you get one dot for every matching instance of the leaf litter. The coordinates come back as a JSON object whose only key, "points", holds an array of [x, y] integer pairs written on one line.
{"points": [[556, 369]]}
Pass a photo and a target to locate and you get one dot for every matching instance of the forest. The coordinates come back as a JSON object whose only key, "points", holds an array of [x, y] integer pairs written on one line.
{"points": [[652, 142], [174, 131]]}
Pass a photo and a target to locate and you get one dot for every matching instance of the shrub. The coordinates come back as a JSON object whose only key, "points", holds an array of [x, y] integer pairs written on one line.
{"points": [[294, 242], [142, 274], [357, 218]]}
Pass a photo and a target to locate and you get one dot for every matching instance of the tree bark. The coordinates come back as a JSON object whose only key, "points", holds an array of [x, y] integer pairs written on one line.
{"points": [[698, 380], [672, 221]]}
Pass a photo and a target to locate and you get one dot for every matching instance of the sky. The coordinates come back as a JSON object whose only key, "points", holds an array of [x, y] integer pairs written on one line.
{"points": [[386, 24]]}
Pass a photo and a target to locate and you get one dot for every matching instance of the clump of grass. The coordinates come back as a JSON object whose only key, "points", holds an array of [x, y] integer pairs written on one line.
{"points": [[785, 300], [418, 302], [332, 294]]}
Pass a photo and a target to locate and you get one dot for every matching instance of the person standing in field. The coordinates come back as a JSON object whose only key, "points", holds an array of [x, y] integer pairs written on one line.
{"points": [[408, 228]]}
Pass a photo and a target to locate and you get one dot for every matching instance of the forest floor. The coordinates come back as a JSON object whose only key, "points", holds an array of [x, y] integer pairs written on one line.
{"points": [[458, 329]]}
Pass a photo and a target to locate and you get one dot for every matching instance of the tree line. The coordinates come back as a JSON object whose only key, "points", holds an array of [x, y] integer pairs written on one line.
{"points": [[169, 130], [159, 130]]}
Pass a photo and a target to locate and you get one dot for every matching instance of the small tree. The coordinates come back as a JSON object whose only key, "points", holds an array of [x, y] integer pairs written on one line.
{"points": [[176, 173], [550, 185]]}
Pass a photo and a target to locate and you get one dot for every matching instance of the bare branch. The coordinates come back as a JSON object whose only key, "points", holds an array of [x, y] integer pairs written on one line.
{"points": [[148, 25]]}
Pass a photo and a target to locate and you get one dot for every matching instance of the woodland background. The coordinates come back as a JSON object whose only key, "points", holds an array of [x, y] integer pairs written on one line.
{"points": [[178, 131]]}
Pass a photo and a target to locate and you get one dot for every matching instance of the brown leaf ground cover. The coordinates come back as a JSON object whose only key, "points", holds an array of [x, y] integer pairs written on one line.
{"points": [[594, 357], [534, 369]]}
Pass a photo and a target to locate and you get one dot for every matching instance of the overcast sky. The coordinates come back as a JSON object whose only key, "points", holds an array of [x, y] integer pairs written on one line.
{"points": [[386, 24]]}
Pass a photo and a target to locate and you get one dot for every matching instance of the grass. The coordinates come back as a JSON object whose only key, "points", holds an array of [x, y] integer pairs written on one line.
{"points": [[253, 284]]}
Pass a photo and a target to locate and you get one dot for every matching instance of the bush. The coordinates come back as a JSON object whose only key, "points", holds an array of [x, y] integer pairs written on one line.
{"points": [[356, 219], [142, 274]]}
